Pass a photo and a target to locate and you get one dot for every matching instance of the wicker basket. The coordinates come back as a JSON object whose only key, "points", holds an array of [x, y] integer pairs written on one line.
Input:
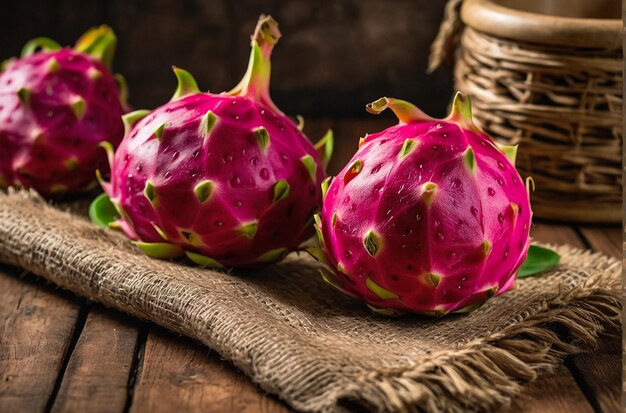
{"points": [[552, 84]]}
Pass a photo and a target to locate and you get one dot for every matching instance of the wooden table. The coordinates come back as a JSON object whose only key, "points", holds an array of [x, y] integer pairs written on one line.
{"points": [[62, 353]]}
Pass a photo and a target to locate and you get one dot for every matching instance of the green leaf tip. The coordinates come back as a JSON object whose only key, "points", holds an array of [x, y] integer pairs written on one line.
{"points": [[486, 246], [79, 106], [539, 260], [310, 166], [248, 230], [469, 308], [490, 292], [262, 137], [381, 292], [203, 191], [331, 280], [131, 118], [159, 131], [438, 312], [186, 84], [387, 312], [58, 188], [98, 42], [405, 112], [514, 210], [429, 193], [530, 184], [163, 250], [461, 109], [94, 74], [510, 151], [407, 147], [102, 212], [469, 159], [274, 255], [300, 125], [325, 147], [110, 151], [372, 243], [42, 43], [432, 279], [203, 260], [192, 238], [71, 163], [281, 190], [208, 122], [354, 169], [318, 254], [53, 65], [150, 192], [317, 219], [160, 231], [325, 185], [318, 229], [24, 96]]}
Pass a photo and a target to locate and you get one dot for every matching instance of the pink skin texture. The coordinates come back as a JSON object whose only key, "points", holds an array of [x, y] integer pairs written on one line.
{"points": [[225, 179], [430, 216], [56, 106]]}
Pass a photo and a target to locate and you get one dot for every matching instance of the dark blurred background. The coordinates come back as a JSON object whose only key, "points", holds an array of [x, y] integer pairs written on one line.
{"points": [[333, 58]]}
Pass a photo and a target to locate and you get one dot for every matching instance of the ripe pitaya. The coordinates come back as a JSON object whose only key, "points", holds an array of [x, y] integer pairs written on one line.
{"points": [[430, 216], [227, 180], [56, 106]]}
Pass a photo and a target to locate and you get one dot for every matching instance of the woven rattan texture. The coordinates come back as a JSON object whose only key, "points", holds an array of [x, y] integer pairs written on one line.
{"points": [[563, 106]]}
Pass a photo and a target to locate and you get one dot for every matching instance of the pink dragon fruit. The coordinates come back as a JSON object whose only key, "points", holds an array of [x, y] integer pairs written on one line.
{"points": [[227, 180], [430, 216], [56, 106]]}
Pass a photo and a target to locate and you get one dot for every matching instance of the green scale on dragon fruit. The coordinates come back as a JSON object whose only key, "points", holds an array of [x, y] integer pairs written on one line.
{"points": [[430, 216], [225, 179], [56, 106]]}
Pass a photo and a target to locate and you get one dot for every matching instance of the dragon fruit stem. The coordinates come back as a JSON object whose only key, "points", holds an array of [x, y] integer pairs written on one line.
{"points": [[256, 81], [405, 112], [43, 43]]}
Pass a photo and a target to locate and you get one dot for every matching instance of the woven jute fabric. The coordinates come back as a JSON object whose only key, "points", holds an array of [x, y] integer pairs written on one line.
{"points": [[304, 341]]}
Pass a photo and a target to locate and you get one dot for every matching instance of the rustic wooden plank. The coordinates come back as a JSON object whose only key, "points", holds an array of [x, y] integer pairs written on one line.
{"points": [[557, 392], [97, 374], [604, 239], [178, 374], [552, 393], [599, 375], [599, 372], [35, 335]]}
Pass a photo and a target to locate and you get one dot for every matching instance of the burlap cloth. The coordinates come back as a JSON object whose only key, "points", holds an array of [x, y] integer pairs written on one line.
{"points": [[316, 349]]}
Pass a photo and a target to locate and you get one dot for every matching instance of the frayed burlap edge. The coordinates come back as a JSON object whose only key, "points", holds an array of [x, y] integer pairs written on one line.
{"points": [[480, 375], [489, 372]]}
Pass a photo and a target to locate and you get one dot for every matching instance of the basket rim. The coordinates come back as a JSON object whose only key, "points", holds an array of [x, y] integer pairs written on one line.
{"points": [[497, 20]]}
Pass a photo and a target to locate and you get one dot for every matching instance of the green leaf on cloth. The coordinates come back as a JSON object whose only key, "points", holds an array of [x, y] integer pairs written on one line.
{"points": [[102, 211], [539, 260]]}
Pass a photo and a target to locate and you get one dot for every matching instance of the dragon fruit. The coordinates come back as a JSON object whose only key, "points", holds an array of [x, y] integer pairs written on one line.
{"points": [[225, 179], [56, 106], [430, 216]]}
